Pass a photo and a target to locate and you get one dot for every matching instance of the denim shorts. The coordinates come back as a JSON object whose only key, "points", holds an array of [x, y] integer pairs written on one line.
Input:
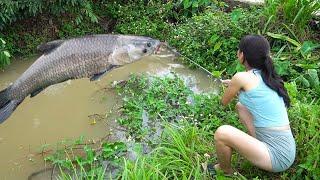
{"points": [[281, 147]]}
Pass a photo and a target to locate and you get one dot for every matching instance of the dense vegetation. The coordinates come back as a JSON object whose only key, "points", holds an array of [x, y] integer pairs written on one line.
{"points": [[207, 32]]}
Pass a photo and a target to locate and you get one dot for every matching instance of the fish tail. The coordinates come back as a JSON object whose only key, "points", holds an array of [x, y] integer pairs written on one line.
{"points": [[7, 106]]}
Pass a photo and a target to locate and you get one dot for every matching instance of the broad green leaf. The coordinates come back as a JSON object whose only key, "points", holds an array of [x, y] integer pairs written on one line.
{"points": [[217, 46], [303, 81], [308, 46], [217, 73], [282, 67], [313, 77], [284, 38], [235, 15], [186, 4], [90, 154], [308, 66], [195, 4], [213, 39], [2, 41], [278, 55], [292, 89], [6, 53]]}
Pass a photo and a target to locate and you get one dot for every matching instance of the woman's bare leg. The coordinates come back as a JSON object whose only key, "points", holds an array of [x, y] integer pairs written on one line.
{"points": [[246, 118], [228, 138]]}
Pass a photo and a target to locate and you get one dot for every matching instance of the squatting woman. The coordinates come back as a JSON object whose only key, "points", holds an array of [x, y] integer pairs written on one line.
{"points": [[262, 109]]}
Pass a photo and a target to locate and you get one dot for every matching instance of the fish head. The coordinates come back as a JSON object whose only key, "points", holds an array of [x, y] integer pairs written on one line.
{"points": [[141, 47], [137, 47]]}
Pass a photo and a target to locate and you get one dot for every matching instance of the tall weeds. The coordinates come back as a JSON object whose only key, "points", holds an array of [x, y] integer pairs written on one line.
{"points": [[291, 14], [179, 155]]}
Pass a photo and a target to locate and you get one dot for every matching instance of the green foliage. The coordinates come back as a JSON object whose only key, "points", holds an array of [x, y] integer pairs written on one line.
{"points": [[186, 142], [190, 7], [112, 151], [169, 99], [208, 37], [309, 81], [182, 150], [141, 18], [305, 124], [10, 11], [155, 18], [194, 3], [212, 39], [89, 165], [300, 63], [4, 54], [304, 48], [292, 91], [295, 14], [72, 29]]}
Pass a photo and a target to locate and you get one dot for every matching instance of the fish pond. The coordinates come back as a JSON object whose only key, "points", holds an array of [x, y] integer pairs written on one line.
{"points": [[71, 110]]}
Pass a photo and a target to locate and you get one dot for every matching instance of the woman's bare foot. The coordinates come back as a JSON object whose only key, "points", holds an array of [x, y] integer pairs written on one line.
{"points": [[226, 172]]}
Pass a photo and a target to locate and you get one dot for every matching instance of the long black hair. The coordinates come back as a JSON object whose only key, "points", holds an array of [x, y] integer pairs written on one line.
{"points": [[256, 52]]}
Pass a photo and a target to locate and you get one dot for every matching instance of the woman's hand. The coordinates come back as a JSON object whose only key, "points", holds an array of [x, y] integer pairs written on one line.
{"points": [[226, 82]]}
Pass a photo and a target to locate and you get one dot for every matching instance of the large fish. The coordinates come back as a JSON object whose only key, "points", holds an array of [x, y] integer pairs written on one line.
{"points": [[90, 56]]}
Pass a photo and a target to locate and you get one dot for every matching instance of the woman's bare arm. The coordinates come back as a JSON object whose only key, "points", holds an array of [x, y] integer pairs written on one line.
{"points": [[233, 88]]}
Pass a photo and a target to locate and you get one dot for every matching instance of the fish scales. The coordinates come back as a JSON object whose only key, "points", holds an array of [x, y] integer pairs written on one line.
{"points": [[60, 66], [75, 58]]}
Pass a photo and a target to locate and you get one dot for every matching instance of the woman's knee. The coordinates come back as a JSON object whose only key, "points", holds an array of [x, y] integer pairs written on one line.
{"points": [[222, 133]]}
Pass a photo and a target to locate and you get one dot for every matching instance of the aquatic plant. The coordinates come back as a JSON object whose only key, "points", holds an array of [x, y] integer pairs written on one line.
{"points": [[84, 160], [168, 99]]}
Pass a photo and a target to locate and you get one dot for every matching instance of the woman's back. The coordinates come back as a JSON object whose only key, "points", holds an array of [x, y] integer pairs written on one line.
{"points": [[265, 105]]}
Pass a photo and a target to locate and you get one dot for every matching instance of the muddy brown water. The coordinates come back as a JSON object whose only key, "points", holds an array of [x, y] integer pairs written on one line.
{"points": [[63, 112]]}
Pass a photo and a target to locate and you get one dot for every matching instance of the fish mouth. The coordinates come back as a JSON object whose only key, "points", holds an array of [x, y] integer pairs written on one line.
{"points": [[157, 50], [163, 46]]}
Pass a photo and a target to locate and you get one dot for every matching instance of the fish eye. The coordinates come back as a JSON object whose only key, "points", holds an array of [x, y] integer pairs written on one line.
{"points": [[144, 50], [149, 44]]}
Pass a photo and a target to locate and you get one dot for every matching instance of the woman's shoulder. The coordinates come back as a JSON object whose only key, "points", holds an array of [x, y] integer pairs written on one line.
{"points": [[241, 76], [245, 80]]}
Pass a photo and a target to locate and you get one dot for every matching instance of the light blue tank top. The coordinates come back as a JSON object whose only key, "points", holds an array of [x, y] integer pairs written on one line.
{"points": [[265, 105]]}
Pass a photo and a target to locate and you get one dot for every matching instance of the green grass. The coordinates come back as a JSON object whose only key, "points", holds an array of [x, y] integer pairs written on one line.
{"points": [[179, 155], [210, 37], [187, 144]]}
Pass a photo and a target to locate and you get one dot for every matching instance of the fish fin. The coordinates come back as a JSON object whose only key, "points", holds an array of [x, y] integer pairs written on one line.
{"points": [[36, 92], [98, 75], [49, 46], [8, 109]]}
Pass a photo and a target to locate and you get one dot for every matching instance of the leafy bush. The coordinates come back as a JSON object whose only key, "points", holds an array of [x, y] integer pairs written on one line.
{"points": [[305, 124], [212, 39], [89, 163], [291, 16], [299, 63], [10, 11], [141, 18], [169, 99], [190, 7], [4, 54]]}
